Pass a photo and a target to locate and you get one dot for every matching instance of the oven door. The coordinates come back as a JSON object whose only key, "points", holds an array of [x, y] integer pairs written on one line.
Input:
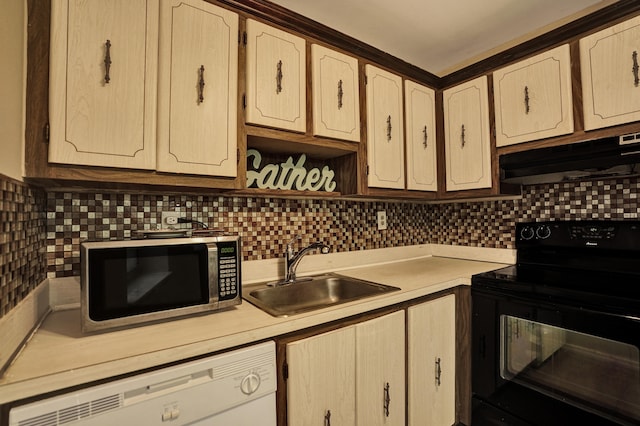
{"points": [[542, 363]]}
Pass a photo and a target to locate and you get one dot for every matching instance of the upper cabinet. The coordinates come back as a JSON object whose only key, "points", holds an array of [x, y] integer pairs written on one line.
{"points": [[533, 98], [467, 138], [610, 75], [336, 101], [276, 79], [420, 123], [385, 135], [103, 69], [198, 89]]}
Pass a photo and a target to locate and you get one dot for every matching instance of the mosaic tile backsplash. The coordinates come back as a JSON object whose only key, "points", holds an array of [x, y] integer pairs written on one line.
{"points": [[267, 224], [22, 241]]}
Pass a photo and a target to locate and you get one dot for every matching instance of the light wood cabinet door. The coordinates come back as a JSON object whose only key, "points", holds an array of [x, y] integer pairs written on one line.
{"points": [[198, 89], [380, 371], [336, 101], [385, 134], [276, 80], [610, 82], [533, 98], [420, 118], [467, 143], [103, 83], [321, 379], [431, 358]]}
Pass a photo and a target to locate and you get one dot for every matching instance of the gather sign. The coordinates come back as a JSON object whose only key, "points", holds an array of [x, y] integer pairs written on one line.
{"points": [[287, 175]]}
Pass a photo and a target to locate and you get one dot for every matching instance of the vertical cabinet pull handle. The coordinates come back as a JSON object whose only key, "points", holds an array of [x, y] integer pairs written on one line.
{"points": [[201, 84], [424, 137], [107, 62], [636, 79], [463, 136], [438, 371], [340, 93], [387, 399], [279, 77], [327, 418], [389, 129], [526, 99]]}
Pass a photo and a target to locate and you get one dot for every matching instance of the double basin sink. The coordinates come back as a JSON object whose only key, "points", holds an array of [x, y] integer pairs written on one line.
{"points": [[311, 293]]}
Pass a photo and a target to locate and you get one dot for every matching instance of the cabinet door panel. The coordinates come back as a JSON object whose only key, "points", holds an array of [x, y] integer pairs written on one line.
{"points": [[322, 379], [336, 101], [467, 144], [431, 358], [380, 363], [198, 126], [533, 98], [276, 79], [611, 94], [421, 137], [103, 83], [385, 134]]}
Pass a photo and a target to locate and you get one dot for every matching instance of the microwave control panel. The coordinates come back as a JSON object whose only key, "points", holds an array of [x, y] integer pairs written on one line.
{"points": [[228, 271]]}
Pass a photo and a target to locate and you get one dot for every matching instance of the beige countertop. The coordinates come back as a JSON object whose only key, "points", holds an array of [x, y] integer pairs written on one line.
{"points": [[58, 355]]}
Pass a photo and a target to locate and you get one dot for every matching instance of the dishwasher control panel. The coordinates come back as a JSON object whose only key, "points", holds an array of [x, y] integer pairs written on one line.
{"points": [[236, 387]]}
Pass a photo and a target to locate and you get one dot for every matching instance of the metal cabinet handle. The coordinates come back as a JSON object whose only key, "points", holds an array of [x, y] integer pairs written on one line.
{"points": [[279, 77], [387, 399], [526, 100], [438, 371], [636, 79], [327, 418], [340, 93], [462, 136], [201, 84], [389, 129], [107, 62], [424, 137]]}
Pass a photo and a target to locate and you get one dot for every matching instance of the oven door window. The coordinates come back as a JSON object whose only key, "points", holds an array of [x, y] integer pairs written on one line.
{"points": [[587, 370]]}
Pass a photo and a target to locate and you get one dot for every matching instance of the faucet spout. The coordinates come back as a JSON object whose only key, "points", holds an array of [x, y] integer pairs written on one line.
{"points": [[292, 260]]}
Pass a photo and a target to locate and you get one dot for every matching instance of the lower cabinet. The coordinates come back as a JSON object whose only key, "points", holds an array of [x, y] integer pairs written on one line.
{"points": [[354, 375], [431, 377]]}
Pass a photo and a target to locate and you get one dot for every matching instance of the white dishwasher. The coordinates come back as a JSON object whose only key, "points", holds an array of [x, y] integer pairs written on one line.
{"points": [[232, 389]]}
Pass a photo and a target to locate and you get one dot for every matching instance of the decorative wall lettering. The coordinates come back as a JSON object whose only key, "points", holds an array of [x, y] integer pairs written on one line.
{"points": [[287, 175]]}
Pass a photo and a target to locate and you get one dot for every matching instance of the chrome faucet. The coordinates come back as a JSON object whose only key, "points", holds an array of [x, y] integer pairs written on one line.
{"points": [[291, 259]]}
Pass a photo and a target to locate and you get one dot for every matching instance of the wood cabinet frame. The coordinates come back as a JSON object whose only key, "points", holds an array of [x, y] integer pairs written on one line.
{"points": [[463, 348], [350, 157]]}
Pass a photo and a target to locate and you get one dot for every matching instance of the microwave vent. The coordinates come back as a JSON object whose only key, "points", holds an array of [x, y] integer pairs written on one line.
{"points": [[631, 138]]}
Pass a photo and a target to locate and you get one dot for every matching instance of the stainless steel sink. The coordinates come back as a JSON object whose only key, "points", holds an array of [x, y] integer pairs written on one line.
{"points": [[311, 293]]}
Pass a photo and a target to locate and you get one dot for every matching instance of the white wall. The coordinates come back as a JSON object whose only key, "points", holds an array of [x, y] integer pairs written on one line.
{"points": [[12, 85]]}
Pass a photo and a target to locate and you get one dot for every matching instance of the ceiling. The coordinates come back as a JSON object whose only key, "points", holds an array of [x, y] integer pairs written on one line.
{"points": [[443, 36]]}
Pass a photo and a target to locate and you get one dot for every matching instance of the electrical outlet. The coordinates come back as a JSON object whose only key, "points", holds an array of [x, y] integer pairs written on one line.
{"points": [[170, 219], [382, 220]]}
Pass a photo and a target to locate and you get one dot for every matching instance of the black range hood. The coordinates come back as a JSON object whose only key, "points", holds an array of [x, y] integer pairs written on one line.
{"points": [[595, 159]]}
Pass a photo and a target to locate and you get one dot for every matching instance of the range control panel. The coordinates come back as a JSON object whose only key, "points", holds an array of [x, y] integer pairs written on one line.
{"points": [[609, 234]]}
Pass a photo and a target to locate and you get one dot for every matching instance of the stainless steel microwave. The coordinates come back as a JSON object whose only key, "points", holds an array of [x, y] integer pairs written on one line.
{"points": [[135, 281]]}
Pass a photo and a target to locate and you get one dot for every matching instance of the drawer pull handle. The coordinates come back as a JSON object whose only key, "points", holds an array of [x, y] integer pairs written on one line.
{"points": [[387, 399], [463, 136], [201, 84], [279, 77], [526, 100], [107, 62], [389, 129], [636, 78], [424, 137], [340, 93], [438, 371], [327, 418]]}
